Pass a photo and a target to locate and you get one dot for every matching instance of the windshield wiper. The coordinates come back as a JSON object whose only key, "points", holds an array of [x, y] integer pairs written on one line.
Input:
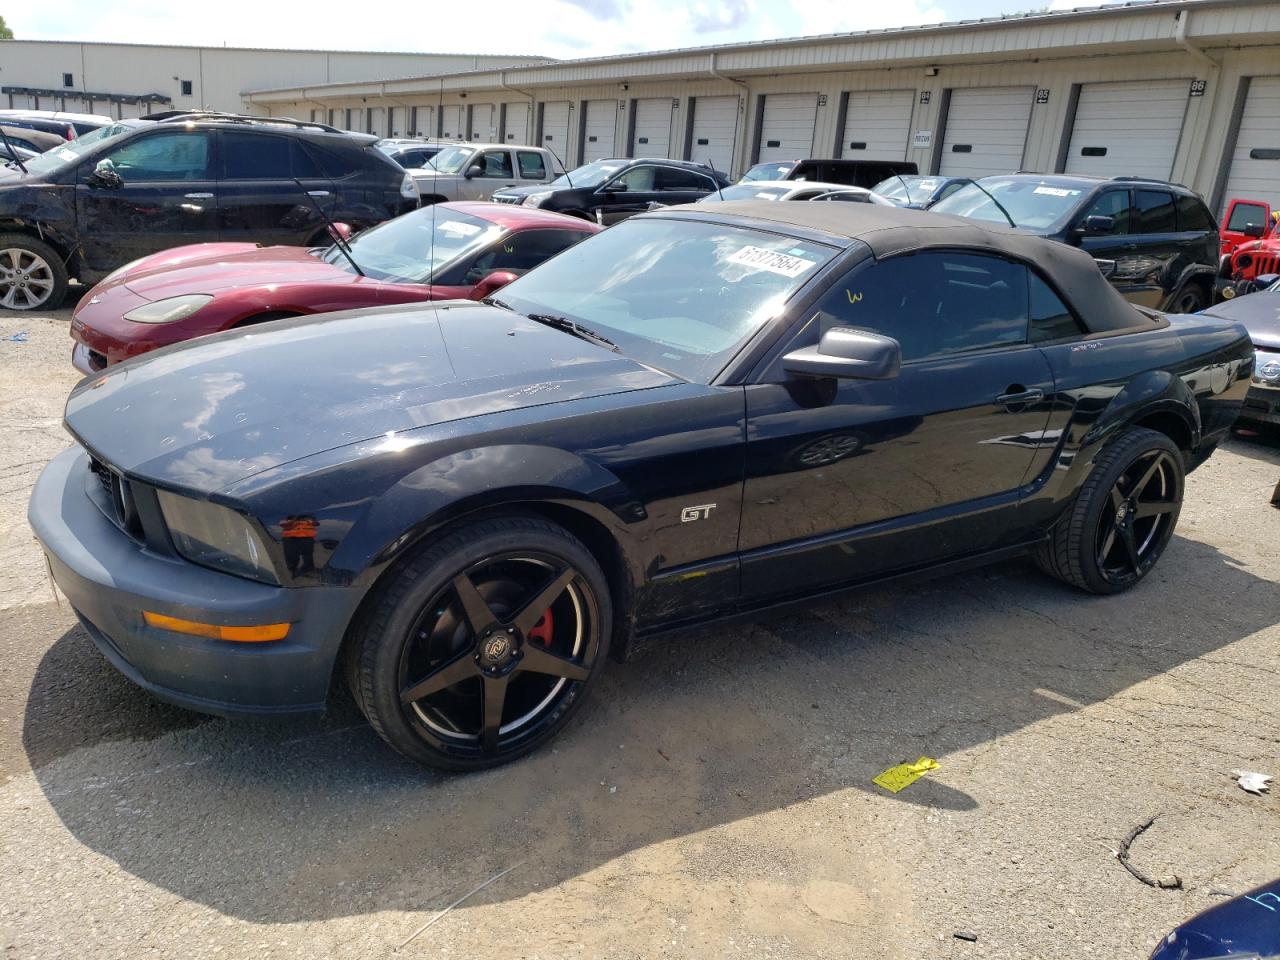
{"points": [[577, 329]]}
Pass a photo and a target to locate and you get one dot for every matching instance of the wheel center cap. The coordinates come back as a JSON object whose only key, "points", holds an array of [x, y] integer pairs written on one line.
{"points": [[496, 650]]}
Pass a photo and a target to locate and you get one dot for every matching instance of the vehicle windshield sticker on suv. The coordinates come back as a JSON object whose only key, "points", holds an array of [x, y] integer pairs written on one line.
{"points": [[1056, 191], [762, 259]]}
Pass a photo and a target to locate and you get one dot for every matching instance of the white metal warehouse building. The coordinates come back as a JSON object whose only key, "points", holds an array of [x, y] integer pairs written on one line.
{"points": [[1187, 90]]}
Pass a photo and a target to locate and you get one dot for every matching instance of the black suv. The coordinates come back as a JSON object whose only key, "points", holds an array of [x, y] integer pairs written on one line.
{"points": [[1155, 241], [136, 187], [855, 173], [607, 191]]}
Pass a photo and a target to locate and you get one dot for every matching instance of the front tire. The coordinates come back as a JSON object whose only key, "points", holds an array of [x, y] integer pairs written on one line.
{"points": [[32, 274], [1123, 517], [1190, 299], [482, 647]]}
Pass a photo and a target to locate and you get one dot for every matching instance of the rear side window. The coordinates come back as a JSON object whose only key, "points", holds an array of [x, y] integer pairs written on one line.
{"points": [[1051, 319], [1114, 204], [532, 166], [1155, 211], [1193, 215], [250, 156], [337, 164], [934, 304], [1247, 215], [672, 178]]}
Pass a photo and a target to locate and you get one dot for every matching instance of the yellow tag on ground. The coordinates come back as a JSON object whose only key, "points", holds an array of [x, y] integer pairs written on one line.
{"points": [[905, 774]]}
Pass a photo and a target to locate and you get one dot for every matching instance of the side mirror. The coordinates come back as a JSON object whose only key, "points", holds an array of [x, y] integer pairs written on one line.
{"points": [[1255, 230], [340, 231], [475, 170], [491, 283], [104, 177], [1106, 267], [615, 186], [1099, 224], [847, 353]]}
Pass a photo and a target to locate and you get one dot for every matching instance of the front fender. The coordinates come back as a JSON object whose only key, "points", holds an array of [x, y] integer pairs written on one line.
{"points": [[467, 481]]}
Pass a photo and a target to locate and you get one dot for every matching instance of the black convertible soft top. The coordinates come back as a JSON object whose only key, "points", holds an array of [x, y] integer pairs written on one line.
{"points": [[892, 230]]}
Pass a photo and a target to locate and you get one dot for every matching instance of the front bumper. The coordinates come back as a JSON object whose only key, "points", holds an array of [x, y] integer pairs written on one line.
{"points": [[110, 579], [1262, 405]]}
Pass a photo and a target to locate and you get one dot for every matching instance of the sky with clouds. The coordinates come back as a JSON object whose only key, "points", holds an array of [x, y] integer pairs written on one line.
{"points": [[555, 28]]}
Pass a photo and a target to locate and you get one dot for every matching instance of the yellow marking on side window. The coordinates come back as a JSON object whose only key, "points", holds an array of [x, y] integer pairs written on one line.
{"points": [[853, 297]]}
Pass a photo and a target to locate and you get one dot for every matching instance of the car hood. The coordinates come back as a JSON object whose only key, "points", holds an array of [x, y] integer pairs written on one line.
{"points": [[207, 413], [534, 188], [1259, 312], [225, 267]]}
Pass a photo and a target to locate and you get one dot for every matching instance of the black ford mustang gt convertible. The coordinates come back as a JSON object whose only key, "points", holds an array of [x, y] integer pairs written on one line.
{"points": [[463, 507]]}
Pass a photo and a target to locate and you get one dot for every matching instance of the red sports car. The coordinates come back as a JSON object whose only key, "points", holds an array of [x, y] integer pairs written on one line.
{"points": [[446, 252]]}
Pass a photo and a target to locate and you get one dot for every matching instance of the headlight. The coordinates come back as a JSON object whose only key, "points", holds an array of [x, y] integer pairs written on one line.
{"points": [[215, 536], [167, 311], [409, 188], [536, 199], [119, 272]]}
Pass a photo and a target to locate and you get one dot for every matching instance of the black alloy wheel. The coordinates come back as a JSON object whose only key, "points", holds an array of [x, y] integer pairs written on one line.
{"points": [[1143, 501], [1189, 299], [1123, 517], [484, 645]]}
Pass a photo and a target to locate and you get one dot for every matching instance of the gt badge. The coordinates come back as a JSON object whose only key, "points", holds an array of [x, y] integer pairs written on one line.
{"points": [[700, 512]]}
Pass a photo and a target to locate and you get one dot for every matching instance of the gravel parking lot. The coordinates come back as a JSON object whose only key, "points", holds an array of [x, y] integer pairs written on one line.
{"points": [[714, 799]]}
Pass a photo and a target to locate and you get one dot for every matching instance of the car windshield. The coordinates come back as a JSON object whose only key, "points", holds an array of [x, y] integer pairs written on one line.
{"points": [[679, 295], [589, 175], [747, 191], [904, 190], [410, 249], [1033, 204], [451, 159], [767, 171], [71, 151]]}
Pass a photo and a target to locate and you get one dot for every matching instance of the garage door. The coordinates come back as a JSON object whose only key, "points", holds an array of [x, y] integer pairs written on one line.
{"points": [[715, 131], [986, 131], [484, 122], [877, 125], [453, 118], [1255, 166], [597, 137], [652, 137], [555, 129], [517, 124], [425, 122], [786, 129], [1128, 129]]}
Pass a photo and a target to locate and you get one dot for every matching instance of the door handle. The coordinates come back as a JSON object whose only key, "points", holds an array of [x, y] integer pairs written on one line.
{"points": [[317, 193], [1017, 396], [198, 196]]}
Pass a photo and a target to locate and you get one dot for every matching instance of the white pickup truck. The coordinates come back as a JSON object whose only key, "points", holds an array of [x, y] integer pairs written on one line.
{"points": [[473, 171]]}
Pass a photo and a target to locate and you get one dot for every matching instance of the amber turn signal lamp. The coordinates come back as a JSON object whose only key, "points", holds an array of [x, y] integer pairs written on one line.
{"points": [[258, 634]]}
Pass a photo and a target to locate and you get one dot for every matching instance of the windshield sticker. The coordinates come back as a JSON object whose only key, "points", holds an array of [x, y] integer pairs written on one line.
{"points": [[458, 228], [68, 154], [927, 184], [1056, 192], [758, 258]]}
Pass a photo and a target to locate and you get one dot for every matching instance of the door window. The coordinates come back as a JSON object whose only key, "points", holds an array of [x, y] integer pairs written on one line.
{"points": [[1051, 319], [638, 179], [933, 304], [497, 165], [1247, 215], [673, 178], [1114, 204], [532, 166], [518, 253], [255, 156], [163, 157], [1155, 211]]}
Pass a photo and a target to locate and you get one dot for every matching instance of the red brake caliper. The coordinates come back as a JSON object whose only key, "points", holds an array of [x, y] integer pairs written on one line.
{"points": [[543, 630]]}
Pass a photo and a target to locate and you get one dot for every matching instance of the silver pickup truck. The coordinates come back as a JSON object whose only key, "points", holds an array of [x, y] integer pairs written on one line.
{"points": [[473, 171]]}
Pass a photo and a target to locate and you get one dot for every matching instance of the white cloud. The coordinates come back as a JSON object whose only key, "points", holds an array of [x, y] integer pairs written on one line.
{"points": [[557, 28]]}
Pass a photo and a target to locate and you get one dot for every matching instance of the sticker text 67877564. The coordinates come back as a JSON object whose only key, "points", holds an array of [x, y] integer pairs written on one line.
{"points": [[759, 258]]}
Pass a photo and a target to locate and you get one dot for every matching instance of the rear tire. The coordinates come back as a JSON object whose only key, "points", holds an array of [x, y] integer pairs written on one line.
{"points": [[1189, 299], [1123, 516], [482, 647], [32, 274]]}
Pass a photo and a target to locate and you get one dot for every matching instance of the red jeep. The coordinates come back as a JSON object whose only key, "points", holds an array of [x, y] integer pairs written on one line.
{"points": [[1250, 246]]}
